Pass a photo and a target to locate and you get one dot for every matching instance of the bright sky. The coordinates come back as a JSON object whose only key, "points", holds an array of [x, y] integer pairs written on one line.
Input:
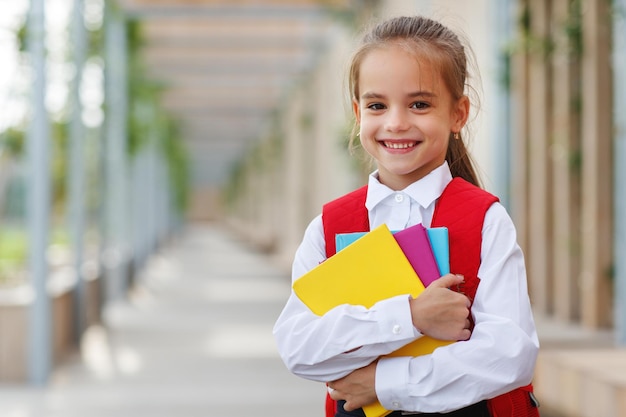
{"points": [[11, 15], [14, 76]]}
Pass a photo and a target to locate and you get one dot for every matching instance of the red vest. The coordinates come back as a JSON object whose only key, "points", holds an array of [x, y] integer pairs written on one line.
{"points": [[461, 208]]}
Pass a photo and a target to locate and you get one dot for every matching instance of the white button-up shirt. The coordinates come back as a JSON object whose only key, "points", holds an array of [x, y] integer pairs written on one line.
{"points": [[499, 356]]}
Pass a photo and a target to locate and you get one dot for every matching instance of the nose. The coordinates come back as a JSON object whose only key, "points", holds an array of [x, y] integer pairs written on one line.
{"points": [[397, 120]]}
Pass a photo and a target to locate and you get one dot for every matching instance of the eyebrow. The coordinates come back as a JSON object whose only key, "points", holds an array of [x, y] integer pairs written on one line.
{"points": [[372, 95]]}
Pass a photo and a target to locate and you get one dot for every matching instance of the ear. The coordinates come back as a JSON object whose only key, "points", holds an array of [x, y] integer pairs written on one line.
{"points": [[460, 113], [356, 109]]}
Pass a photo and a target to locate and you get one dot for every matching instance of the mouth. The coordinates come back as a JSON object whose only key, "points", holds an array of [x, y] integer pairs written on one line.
{"points": [[395, 144]]}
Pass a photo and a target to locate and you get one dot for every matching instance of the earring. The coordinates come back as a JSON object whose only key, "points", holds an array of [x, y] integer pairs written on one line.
{"points": [[456, 135]]}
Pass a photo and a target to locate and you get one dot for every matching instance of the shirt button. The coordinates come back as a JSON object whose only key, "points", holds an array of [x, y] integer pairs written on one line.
{"points": [[396, 329], [396, 405], [399, 198]]}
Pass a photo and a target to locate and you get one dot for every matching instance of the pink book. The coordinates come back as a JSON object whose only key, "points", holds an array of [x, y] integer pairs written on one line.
{"points": [[415, 244]]}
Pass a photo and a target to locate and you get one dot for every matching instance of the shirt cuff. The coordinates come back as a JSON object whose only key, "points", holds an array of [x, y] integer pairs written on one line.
{"points": [[392, 383], [395, 321]]}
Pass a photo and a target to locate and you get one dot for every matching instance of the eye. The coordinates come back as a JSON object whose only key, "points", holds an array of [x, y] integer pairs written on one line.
{"points": [[376, 106], [420, 105]]}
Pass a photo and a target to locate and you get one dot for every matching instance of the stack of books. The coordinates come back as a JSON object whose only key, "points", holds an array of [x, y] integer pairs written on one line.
{"points": [[372, 266]]}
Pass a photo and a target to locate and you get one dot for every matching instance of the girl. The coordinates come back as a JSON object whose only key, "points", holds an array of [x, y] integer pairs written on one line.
{"points": [[407, 82]]}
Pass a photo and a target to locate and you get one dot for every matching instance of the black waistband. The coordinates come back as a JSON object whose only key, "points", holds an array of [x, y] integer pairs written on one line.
{"points": [[474, 410]]}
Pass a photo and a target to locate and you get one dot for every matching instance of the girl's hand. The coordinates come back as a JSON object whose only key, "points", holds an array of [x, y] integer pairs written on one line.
{"points": [[357, 388], [441, 313]]}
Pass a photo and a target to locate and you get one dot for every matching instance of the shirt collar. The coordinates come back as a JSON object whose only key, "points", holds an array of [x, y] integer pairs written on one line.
{"points": [[425, 191]]}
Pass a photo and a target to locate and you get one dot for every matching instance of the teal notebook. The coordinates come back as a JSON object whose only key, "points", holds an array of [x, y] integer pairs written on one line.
{"points": [[438, 237]]}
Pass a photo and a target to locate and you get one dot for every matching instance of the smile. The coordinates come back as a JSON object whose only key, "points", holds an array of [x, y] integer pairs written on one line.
{"points": [[399, 145]]}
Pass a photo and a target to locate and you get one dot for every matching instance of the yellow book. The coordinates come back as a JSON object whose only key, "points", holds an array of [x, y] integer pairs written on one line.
{"points": [[371, 269]]}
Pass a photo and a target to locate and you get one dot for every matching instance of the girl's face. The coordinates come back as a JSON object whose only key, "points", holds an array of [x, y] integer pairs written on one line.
{"points": [[405, 113]]}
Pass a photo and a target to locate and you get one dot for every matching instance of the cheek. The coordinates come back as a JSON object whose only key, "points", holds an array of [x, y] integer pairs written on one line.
{"points": [[362, 141], [367, 126], [367, 141], [440, 128]]}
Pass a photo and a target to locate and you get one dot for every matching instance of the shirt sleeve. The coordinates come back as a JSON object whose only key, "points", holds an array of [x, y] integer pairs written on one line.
{"points": [[348, 337], [501, 353]]}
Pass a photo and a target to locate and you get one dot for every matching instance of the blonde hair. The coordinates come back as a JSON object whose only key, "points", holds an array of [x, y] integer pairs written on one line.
{"points": [[439, 46]]}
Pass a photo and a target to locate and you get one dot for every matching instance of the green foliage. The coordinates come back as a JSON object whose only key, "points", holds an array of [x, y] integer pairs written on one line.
{"points": [[178, 163], [143, 93], [13, 246], [59, 140], [147, 119], [576, 162], [14, 251], [22, 36], [12, 141], [352, 14], [505, 72], [526, 41], [143, 109], [236, 182], [573, 28], [13, 254], [95, 40]]}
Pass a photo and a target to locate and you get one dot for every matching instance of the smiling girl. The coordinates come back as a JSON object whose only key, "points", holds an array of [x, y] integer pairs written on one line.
{"points": [[408, 88]]}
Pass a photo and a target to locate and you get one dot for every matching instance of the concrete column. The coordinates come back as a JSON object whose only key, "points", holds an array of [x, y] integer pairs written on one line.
{"points": [[76, 171], [619, 158], [539, 180], [116, 210], [501, 14], [38, 204], [597, 140]]}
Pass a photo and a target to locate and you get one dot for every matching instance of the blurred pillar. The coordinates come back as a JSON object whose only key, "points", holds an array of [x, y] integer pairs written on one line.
{"points": [[502, 12], [116, 248], [619, 112], [596, 256], [162, 184], [76, 172], [146, 184], [537, 168], [38, 204], [564, 63], [140, 207], [295, 184], [152, 190]]}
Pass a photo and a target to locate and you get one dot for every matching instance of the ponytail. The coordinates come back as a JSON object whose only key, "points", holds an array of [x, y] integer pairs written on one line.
{"points": [[460, 161]]}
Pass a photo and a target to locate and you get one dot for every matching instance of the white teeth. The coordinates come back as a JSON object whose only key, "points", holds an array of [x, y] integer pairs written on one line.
{"points": [[394, 145]]}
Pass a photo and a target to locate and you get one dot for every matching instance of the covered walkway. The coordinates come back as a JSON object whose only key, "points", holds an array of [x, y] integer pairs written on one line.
{"points": [[257, 89], [193, 338]]}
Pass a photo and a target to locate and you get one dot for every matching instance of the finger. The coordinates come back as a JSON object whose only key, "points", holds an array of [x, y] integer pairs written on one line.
{"points": [[348, 407], [465, 334], [448, 281]]}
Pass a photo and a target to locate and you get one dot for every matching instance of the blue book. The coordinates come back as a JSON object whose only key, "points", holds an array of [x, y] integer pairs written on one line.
{"points": [[438, 237]]}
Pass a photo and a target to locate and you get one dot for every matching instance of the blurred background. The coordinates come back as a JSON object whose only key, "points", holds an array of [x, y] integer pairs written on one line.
{"points": [[160, 160]]}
